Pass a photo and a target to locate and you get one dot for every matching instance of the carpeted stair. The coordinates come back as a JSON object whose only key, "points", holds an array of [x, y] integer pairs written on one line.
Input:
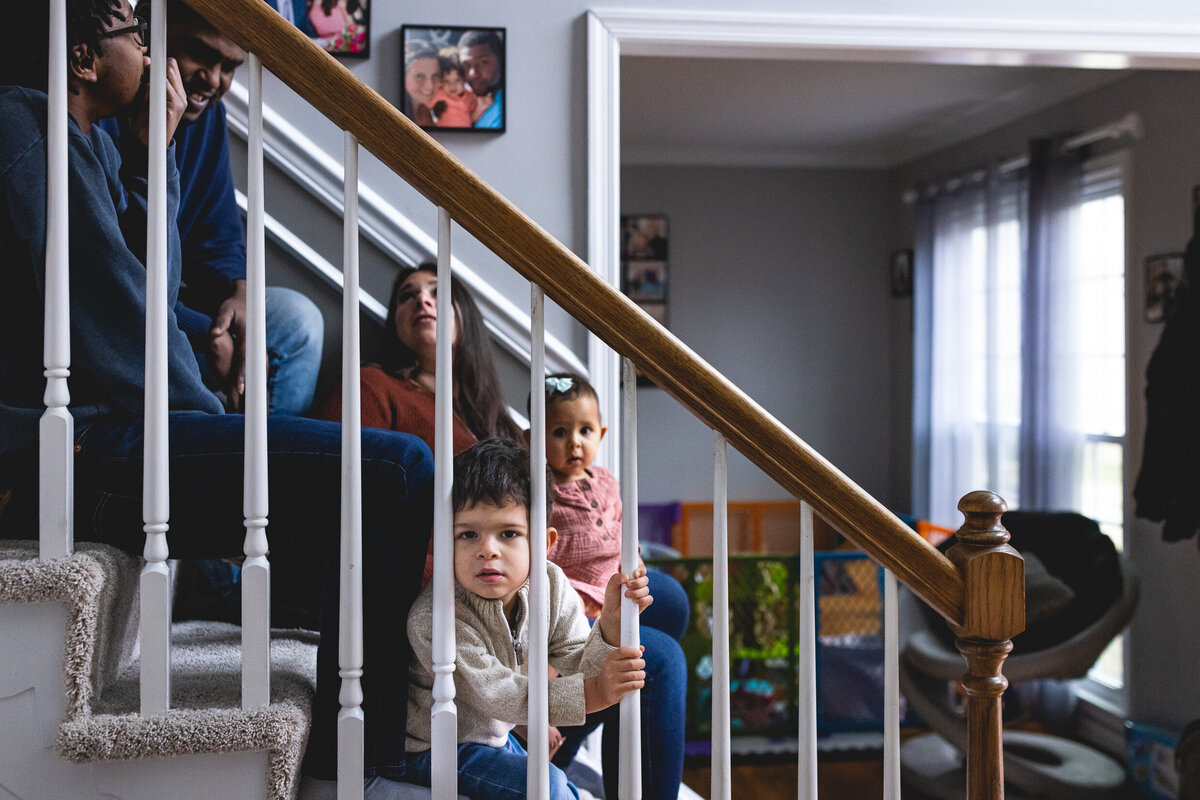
{"points": [[90, 719]]}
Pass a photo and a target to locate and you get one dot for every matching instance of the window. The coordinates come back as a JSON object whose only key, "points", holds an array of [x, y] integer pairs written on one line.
{"points": [[975, 368], [1100, 350], [985, 391]]}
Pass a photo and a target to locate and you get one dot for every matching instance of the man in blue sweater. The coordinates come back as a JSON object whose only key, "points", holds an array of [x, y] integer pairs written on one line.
{"points": [[106, 236], [212, 305], [211, 308]]}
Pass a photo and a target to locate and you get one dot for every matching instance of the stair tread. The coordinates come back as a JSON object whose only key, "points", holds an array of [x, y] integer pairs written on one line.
{"points": [[98, 584]]}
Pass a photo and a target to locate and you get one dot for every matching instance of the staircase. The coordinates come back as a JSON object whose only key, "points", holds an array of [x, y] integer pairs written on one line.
{"points": [[69, 619], [69, 721]]}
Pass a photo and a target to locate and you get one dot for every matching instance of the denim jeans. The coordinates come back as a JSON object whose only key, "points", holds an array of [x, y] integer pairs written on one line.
{"points": [[663, 701], [295, 336], [206, 521], [489, 773]]}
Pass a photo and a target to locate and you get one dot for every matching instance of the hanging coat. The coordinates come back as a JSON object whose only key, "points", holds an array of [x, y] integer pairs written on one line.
{"points": [[1168, 486]]}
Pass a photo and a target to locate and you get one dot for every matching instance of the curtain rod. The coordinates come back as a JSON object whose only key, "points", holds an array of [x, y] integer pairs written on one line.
{"points": [[1129, 126]]}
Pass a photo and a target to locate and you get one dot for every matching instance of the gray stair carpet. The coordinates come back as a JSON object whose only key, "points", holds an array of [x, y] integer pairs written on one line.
{"points": [[98, 584]]}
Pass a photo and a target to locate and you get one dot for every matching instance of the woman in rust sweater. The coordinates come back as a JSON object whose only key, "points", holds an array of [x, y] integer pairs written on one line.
{"points": [[397, 392]]}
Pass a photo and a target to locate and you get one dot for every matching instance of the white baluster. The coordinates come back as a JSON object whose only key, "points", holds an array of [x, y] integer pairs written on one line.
{"points": [[891, 689], [350, 726], [722, 763], [256, 570], [444, 758], [631, 713], [155, 578], [56, 430], [807, 700], [538, 769]]}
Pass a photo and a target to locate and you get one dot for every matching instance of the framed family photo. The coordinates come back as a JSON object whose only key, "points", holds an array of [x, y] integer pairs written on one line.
{"points": [[453, 77], [644, 262], [901, 276], [1164, 274], [341, 27], [644, 270]]}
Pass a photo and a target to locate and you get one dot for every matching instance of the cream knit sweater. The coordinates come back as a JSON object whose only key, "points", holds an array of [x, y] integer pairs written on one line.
{"points": [[491, 687]]}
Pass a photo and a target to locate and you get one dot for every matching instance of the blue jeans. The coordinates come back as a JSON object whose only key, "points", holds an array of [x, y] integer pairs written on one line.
{"points": [[490, 773], [663, 701], [304, 464], [295, 336]]}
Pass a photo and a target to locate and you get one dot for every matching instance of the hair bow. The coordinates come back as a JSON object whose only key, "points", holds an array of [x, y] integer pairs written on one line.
{"points": [[559, 385]]}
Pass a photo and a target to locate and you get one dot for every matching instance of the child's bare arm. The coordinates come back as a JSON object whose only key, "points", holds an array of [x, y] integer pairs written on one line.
{"points": [[623, 672], [637, 589]]}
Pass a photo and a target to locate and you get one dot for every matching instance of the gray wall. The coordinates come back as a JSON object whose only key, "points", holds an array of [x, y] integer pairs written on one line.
{"points": [[1165, 167], [777, 279]]}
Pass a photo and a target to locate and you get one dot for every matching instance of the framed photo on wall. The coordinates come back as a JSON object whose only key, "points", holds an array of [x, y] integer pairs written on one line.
{"points": [[644, 262], [453, 77], [1164, 274], [341, 27], [901, 277], [644, 271]]}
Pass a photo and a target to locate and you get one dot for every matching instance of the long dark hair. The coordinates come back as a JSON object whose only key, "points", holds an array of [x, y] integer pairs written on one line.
{"points": [[477, 397]]}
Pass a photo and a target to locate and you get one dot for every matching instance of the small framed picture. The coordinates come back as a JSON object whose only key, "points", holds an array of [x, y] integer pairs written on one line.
{"points": [[644, 262], [644, 269], [902, 273], [1164, 274], [453, 77], [341, 27]]}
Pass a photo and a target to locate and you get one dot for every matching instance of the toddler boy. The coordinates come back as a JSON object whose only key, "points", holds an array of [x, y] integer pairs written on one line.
{"points": [[491, 498]]}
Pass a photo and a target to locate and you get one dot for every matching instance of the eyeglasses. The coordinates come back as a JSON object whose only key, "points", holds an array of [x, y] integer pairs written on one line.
{"points": [[138, 29]]}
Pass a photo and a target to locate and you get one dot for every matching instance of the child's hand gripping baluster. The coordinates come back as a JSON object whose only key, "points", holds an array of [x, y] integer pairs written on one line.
{"points": [[624, 670], [637, 589]]}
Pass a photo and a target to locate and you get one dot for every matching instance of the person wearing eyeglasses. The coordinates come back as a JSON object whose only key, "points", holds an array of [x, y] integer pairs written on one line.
{"points": [[106, 236], [211, 308], [212, 304]]}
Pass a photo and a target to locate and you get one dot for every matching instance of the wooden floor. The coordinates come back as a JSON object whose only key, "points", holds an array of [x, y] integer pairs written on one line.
{"points": [[841, 779], [836, 780]]}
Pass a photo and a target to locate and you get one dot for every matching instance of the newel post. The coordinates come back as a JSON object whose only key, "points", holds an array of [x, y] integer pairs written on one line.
{"points": [[993, 612]]}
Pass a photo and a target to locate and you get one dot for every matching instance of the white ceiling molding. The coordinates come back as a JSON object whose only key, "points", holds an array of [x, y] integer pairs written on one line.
{"points": [[864, 37], [385, 227], [793, 158]]}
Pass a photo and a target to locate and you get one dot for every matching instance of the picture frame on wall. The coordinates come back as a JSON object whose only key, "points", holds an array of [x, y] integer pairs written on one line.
{"points": [[644, 267], [453, 77], [340, 27], [1164, 274], [644, 271], [901, 276]]}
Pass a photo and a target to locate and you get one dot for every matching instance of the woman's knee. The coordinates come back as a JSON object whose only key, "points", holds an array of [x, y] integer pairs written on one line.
{"points": [[666, 666], [669, 611]]}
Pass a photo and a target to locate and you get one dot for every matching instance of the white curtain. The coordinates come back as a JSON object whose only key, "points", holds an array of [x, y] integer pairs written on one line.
{"points": [[974, 379]]}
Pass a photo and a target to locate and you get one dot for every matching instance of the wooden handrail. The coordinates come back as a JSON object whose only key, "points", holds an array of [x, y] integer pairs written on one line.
{"points": [[484, 213]]}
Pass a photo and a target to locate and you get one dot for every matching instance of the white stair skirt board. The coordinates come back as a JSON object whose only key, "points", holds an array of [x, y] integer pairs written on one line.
{"points": [[33, 704], [66, 631]]}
